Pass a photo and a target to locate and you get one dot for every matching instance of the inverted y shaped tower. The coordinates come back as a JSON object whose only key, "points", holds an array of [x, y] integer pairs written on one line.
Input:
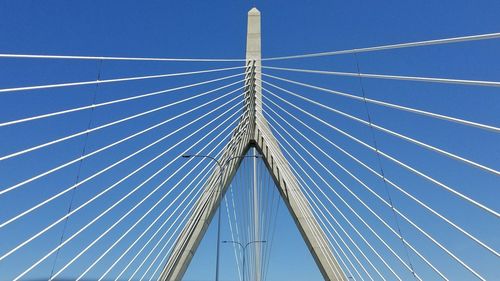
{"points": [[253, 132]]}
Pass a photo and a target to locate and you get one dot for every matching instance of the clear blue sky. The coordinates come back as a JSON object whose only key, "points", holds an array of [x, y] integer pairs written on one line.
{"points": [[216, 29]]}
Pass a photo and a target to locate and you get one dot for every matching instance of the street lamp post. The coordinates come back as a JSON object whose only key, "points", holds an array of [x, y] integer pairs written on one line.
{"points": [[221, 184], [244, 248]]}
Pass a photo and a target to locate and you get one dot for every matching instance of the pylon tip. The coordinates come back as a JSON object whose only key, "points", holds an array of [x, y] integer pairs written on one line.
{"points": [[254, 11]]}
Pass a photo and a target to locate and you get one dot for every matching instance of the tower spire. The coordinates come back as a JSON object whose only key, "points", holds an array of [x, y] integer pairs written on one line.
{"points": [[253, 56]]}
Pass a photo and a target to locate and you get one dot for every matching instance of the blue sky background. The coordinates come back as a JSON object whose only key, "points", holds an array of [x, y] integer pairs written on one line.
{"points": [[216, 29]]}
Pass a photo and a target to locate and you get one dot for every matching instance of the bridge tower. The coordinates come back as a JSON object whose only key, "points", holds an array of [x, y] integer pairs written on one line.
{"points": [[253, 132]]}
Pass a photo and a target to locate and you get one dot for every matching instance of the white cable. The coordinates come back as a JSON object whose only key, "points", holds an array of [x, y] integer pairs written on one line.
{"points": [[15, 186], [256, 230], [427, 235], [81, 83], [240, 184], [159, 228], [162, 249], [86, 107], [443, 248], [69, 57], [395, 106], [345, 233], [362, 183], [168, 251], [304, 202], [393, 46], [130, 228], [156, 245], [485, 208], [271, 221], [184, 217], [106, 190], [341, 198], [233, 238], [349, 260], [315, 231], [102, 170], [151, 237], [351, 276], [338, 274], [393, 77], [331, 202], [335, 266], [168, 241], [151, 263], [238, 238], [266, 213], [263, 225], [331, 53], [338, 246], [199, 210], [243, 202], [401, 136], [107, 210], [78, 134], [419, 202], [337, 243], [80, 253], [252, 223], [140, 251], [151, 209], [345, 244]]}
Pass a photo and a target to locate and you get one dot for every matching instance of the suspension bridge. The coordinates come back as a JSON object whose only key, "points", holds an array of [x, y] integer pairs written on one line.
{"points": [[131, 195]]}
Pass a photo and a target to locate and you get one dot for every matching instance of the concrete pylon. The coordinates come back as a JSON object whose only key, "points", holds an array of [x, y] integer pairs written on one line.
{"points": [[253, 132]]}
